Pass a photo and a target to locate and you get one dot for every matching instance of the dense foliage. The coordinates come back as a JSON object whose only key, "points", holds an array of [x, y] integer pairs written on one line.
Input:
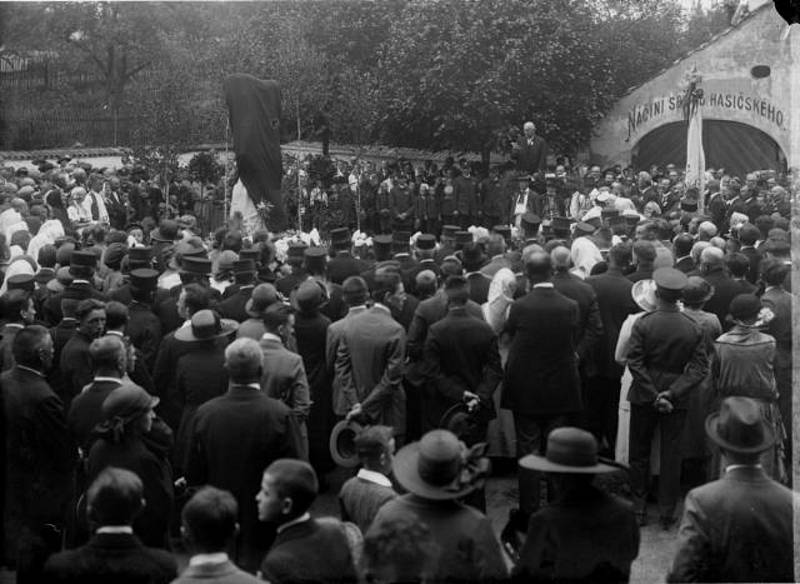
{"points": [[456, 74]]}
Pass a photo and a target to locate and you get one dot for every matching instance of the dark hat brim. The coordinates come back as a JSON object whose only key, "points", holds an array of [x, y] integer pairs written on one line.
{"points": [[542, 464], [406, 471], [344, 430], [712, 429]]}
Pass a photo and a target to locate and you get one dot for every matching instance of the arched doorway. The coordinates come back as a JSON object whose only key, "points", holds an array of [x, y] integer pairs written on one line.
{"points": [[736, 147]]}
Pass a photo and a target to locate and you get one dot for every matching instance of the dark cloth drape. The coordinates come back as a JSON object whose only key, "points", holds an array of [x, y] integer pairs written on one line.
{"points": [[255, 114]]}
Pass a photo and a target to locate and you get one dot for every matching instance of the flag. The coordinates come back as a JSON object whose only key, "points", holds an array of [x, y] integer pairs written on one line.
{"points": [[695, 157], [255, 119]]}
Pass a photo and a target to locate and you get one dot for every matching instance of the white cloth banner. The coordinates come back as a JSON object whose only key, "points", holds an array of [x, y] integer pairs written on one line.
{"points": [[242, 203], [695, 156]]}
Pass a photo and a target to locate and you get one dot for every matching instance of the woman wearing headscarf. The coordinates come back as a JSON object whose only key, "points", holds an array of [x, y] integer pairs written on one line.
{"points": [[128, 417], [47, 235], [20, 264], [644, 294]]}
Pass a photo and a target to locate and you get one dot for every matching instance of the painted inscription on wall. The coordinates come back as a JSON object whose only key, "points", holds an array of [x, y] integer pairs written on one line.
{"points": [[671, 106]]}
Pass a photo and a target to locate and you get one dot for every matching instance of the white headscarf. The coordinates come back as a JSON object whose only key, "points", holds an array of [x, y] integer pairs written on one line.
{"points": [[17, 266], [8, 218], [47, 235], [501, 296]]}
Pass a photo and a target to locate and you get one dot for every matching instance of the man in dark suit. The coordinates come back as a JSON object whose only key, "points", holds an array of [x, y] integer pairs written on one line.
{"points": [[342, 264], [144, 328], [305, 549], [667, 359], [531, 151], [114, 553], [39, 456], [462, 362], [542, 384], [473, 258], [75, 363], [209, 528], [713, 271], [233, 436], [233, 306], [738, 528], [748, 237], [614, 300], [644, 254], [682, 246], [370, 359]]}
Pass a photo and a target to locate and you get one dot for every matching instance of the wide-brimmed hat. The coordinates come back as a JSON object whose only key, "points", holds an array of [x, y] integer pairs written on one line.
{"points": [[167, 231], [206, 325], [697, 290], [569, 450], [440, 467], [745, 307], [342, 443], [308, 296], [128, 401], [644, 294], [262, 297], [740, 427]]}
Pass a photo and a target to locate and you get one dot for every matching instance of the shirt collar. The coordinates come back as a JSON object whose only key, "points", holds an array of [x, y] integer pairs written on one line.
{"points": [[304, 517], [115, 529], [382, 307], [15, 325], [39, 373], [253, 385], [731, 467], [271, 337], [544, 285], [203, 559], [110, 379], [374, 477], [115, 333]]}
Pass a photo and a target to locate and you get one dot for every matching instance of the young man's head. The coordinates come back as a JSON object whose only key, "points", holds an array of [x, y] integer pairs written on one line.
{"points": [[193, 298], [279, 320], [243, 361], [18, 307], [115, 498], [33, 347], [91, 314], [117, 316], [288, 488], [387, 288], [209, 520], [375, 446], [355, 291], [456, 290]]}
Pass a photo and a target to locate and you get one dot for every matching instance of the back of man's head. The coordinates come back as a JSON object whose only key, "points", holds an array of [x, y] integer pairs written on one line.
{"points": [[196, 298], [644, 251], [451, 267], [682, 245], [456, 288], [496, 245], [276, 316], [296, 480], [749, 234], [209, 520], [107, 353], [116, 315], [385, 284], [620, 255], [738, 264], [355, 291], [115, 497], [538, 266], [561, 258], [373, 442], [13, 303], [243, 360], [712, 257]]}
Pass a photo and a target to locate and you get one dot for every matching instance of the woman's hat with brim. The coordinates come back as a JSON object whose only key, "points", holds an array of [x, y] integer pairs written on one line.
{"points": [[644, 294], [570, 451], [309, 296], [739, 427], [745, 307], [432, 468], [128, 401], [342, 443], [697, 290], [263, 296], [206, 325]]}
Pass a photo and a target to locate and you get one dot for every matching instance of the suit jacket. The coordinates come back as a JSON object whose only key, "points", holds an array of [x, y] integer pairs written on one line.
{"points": [[479, 287], [310, 551], [7, 335], [531, 158], [39, 455], [466, 547], [614, 299], [667, 352], [589, 537], [156, 474], [755, 263], [111, 557], [427, 313], [541, 377], [343, 266], [369, 364], [285, 378], [460, 355], [234, 438], [75, 365], [86, 410], [334, 337], [144, 331], [590, 323], [725, 289], [233, 306], [223, 573], [736, 529], [779, 301], [286, 284]]}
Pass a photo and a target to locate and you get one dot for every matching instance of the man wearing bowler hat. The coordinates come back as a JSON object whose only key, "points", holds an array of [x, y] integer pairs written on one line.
{"points": [[667, 359], [144, 328], [740, 527], [342, 264], [233, 307], [585, 534]]}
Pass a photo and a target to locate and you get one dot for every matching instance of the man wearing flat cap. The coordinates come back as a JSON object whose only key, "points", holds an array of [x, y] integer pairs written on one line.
{"points": [[740, 527], [667, 359]]}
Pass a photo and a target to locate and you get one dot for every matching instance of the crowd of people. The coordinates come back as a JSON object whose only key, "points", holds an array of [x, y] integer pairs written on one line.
{"points": [[168, 393]]}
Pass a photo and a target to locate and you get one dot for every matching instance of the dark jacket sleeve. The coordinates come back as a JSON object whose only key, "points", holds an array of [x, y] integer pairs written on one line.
{"points": [[593, 330], [636, 361], [694, 372], [492, 373]]}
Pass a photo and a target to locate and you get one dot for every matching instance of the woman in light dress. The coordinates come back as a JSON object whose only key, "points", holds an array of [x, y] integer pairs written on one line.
{"points": [[500, 434], [644, 294]]}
